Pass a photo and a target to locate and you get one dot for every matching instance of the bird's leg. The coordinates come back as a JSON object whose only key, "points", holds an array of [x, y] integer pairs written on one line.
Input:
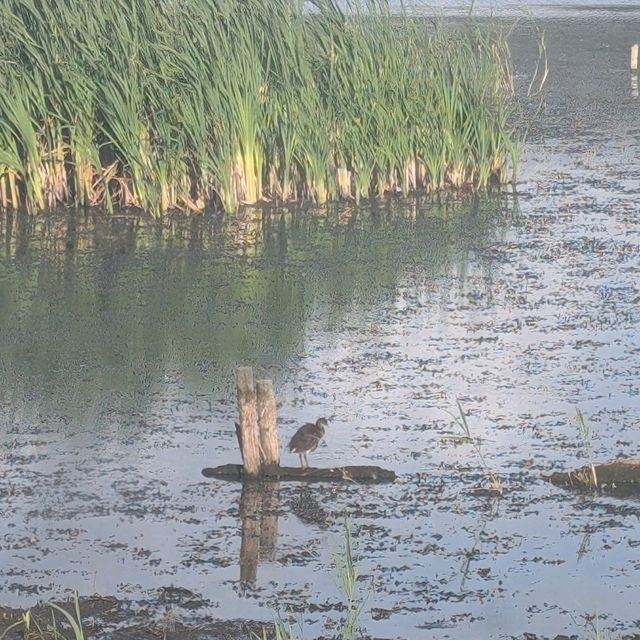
{"points": [[306, 461], [301, 463]]}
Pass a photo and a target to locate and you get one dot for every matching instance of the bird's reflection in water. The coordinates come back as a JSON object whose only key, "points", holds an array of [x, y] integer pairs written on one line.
{"points": [[307, 507]]}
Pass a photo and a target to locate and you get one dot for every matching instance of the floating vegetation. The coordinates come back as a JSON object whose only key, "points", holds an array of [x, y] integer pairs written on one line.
{"points": [[199, 103]]}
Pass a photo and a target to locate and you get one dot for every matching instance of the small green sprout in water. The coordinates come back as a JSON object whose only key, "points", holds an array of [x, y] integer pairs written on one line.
{"points": [[283, 630], [75, 622], [585, 431], [25, 623], [593, 624], [347, 565], [585, 434], [493, 479]]}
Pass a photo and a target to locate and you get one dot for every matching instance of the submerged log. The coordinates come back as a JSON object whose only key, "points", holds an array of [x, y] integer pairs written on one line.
{"points": [[619, 476], [368, 474]]}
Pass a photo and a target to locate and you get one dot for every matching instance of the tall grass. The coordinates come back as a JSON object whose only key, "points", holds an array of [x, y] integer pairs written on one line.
{"points": [[163, 104]]}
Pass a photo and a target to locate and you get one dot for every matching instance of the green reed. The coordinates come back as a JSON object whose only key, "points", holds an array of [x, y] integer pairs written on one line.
{"points": [[494, 481], [584, 429], [181, 105], [32, 629]]}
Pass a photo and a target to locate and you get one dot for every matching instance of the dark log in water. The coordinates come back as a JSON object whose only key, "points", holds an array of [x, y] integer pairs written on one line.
{"points": [[310, 474], [619, 476]]}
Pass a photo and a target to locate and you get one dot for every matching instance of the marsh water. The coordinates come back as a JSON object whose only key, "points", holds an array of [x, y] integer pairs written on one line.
{"points": [[538, 9], [119, 339]]}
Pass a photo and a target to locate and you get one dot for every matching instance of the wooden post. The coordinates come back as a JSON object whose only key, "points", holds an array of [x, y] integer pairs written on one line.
{"points": [[248, 423], [268, 423], [634, 58]]}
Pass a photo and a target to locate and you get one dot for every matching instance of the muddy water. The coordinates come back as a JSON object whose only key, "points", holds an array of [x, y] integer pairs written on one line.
{"points": [[118, 342]]}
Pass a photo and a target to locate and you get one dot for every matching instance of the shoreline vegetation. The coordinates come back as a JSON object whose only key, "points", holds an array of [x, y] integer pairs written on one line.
{"points": [[216, 103]]}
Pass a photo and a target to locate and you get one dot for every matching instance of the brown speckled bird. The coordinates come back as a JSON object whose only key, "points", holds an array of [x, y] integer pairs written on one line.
{"points": [[306, 439]]}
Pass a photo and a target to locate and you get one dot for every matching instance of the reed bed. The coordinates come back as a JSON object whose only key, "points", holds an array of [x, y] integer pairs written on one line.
{"points": [[187, 104]]}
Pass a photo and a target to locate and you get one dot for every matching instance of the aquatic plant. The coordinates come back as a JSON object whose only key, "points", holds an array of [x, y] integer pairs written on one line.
{"points": [[460, 420], [163, 105], [593, 624], [347, 566], [32, 630], [584, 430]]}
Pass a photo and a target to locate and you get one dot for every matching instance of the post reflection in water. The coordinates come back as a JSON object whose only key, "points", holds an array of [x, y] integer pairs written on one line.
{"points": [[259, 509], [259, 503]]}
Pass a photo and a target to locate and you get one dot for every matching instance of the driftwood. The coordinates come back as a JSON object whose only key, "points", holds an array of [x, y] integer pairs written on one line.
{"points": [[368, 474], [619, 476]]}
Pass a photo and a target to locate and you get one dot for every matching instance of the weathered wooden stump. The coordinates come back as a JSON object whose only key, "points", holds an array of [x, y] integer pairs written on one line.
{"points": [[267, 423], [617, 477]]}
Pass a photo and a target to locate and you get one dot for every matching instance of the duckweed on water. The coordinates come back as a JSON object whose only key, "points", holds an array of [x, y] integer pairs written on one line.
{"points": [[164, 105]]}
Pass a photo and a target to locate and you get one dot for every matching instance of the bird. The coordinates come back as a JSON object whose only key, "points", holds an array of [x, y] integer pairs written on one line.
{"points": [[306, 439]]}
